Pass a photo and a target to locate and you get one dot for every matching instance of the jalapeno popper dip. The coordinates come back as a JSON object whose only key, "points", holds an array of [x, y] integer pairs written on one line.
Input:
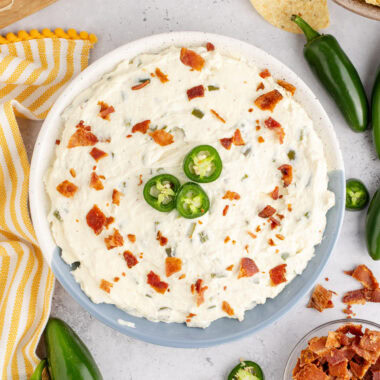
{"points": [[266, 206]]}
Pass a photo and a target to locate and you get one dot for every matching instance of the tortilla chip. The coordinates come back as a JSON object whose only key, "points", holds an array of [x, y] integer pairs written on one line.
{"points": [[373, 2], [278, 13]]}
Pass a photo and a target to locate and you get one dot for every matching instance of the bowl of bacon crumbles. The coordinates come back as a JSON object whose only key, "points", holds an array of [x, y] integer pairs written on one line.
{"points": [[340, 349]]}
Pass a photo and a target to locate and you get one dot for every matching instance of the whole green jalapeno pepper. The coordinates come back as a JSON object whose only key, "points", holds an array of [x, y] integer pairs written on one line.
{"points": [[376, 113], [372, 228]]}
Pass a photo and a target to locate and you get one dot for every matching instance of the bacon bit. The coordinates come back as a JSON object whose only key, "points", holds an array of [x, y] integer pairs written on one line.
{"points": [[106, 286], [321, 299], [258, 127], [140, 180], [131, 238], [365, 276], [355, 297], [227, 239], [226, 143], [276, 126], [217, 116], [123, 274], [246, 247], [192, 59], [274, 193], [287, 86], [97, 154], [140, 85], [260, 86], [141, 127], [225, 210], [195, 92], [155, 282], [96, 219], [181, 277], [116, 195], [130, 259], [231, 195], [162, 239], [230, 267], [247, 268], [161, 137], [237, 139], [95, 182], [271, 242], [348, 310], [277, 274], [280, 237], [199, 290], [109, 221], [251, 234], [114, 240], [265, 74], [116, 279], [227, 308], [57, 142], [73, 172], [189, 316], [210, 46], [267, 211], [161, 76], [268, 101], [250, 110], [233, 242], [287, 174], [82, 136], [105, 110], [67, 189], [172, 265], [290, 207], [274, 222], [258, 229], [129, 136], [260, 139]]}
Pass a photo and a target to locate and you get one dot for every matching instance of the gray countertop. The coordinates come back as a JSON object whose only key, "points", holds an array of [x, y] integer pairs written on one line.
{"points": [[117, 22]]}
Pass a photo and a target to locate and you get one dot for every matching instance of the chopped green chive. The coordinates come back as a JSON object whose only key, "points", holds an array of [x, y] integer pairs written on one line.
{"points": [[291, 154], [57, 215], [203, 237], [213, 88], [197, 113]]}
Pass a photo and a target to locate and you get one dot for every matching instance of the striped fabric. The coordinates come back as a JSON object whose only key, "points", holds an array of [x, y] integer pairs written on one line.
{"points": [[34, 68]]}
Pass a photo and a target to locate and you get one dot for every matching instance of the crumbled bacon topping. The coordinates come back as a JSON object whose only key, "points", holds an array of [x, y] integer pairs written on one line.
{"points": [[251, 234], [199, 290], [192, 59], [172, 265], [276, 127], [96, 219], [237, 139], [210, 46], [287, 174], [106, 286], [97, 154], [287, 86], [217, 116], [226, 143], [67, 189], [161, 76], [247, 268], [277, 274], [105, 110], [273, 222], [155, 282], [141, 127], [73, 172], [227, 308], [321, 299], [274, 194], [109, 221], [231, 195], [161, 137], [116, 196], [95, 182], [130, 259], [140, 85], [268, 101], [131, 238], [260, 86], [195, 92], [161, 239], [365, 276], [265, 74], [114, 240], [225, 210], [267, 211], [82, 136]]}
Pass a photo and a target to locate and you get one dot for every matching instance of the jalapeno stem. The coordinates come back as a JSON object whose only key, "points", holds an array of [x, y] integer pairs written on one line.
{"points": [[308, 31]]}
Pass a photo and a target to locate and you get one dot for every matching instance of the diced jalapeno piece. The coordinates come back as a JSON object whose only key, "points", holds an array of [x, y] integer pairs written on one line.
{"points": [[192, 201], [197, 113], [203, 164], [246, 370], [160, 192], [357, 196]]}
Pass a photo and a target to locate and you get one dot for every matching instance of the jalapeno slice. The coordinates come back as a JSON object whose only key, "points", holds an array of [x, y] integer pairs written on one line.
{"points": [[203, 164], [160, 192], [192, 201], [246, 370], [357, 196]]}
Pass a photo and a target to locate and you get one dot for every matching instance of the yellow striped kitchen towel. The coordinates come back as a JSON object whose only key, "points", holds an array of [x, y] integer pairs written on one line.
{"points": [[34, 68]]}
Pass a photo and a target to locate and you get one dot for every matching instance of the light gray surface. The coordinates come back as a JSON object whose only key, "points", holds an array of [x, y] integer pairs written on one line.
{"points": [[119, 21]]}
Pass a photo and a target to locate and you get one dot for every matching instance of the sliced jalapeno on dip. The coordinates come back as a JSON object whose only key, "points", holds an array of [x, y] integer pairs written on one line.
{"points": [[192, 201], [160, 192], [357, 196], [203, 164], [246, 370]]}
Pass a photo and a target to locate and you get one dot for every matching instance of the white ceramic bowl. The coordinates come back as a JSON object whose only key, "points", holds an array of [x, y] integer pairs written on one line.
{"points": [[224, 329]]}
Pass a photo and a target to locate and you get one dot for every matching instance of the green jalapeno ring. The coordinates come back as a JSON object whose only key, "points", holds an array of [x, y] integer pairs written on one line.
{"points": [[357, 196], [160, 192], [246, 370], [192, 201], [203, 164]]}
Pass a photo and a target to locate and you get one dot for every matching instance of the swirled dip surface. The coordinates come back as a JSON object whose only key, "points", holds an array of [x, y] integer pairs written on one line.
{"points": [[137, 122]]}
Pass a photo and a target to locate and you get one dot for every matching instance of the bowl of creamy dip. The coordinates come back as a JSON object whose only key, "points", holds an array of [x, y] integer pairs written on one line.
{"points": [[273, 214]]}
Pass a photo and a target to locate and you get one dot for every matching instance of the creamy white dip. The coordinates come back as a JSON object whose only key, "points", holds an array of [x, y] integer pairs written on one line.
{"points": [[251, 170]]}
